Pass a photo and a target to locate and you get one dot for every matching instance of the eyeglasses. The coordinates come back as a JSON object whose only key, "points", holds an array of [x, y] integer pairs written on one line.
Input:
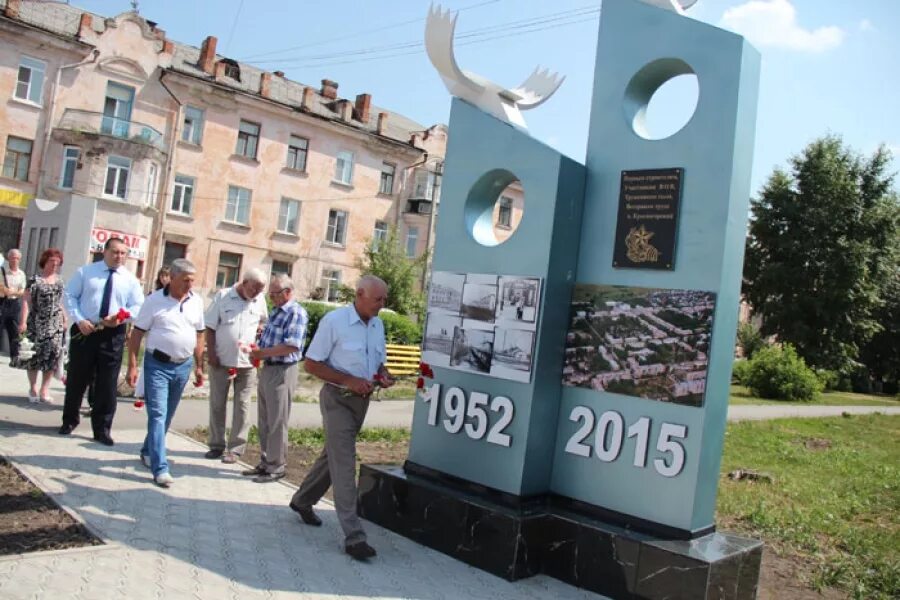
{"points": [[276, 292]]}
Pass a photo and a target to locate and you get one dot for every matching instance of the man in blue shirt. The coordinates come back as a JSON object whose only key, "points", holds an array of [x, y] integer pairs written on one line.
{"points": [[92, 299], [281, 347], [347, 353]]}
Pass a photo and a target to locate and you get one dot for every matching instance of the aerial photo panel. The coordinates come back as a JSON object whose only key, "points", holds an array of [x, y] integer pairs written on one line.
{"points": [[644, 342]]}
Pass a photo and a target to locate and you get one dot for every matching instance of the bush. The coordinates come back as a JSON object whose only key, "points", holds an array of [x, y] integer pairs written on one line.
{"points": [[315, 311], [749, 339], [778, 373], [400, 330], [740, 372], [830, 380]]}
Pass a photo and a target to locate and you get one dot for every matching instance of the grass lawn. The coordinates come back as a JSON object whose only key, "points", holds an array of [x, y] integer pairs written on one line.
{"points": [[834, 498], [741, 395]]}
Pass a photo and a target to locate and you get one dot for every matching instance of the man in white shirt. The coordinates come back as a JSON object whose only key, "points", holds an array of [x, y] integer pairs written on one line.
{"points": [[233, 322], [12, 288], [172, 320], [347, 353]]}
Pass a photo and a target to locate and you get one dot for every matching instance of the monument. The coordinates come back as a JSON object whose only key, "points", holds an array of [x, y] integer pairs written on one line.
{"points": [[575, 395]]}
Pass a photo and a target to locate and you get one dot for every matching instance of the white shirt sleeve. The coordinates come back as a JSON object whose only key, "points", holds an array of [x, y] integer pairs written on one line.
{"points": [[323, 341], [212, 313], [144, 319]]}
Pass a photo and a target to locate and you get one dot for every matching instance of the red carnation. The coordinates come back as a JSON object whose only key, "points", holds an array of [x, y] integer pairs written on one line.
{"points": [[425, 369], [123, 315], [254, 361], [139, 403], [420, 383]]}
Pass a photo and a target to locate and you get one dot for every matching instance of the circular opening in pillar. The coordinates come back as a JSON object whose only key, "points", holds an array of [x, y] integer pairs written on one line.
{"points": [[661, 98], [495, 207]]}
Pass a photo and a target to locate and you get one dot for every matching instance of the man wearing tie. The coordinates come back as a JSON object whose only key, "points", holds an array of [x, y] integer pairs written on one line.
{"points": [[93, 298]]}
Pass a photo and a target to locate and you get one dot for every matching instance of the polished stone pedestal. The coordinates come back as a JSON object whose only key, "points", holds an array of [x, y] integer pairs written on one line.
{"points": [[516, 538]]}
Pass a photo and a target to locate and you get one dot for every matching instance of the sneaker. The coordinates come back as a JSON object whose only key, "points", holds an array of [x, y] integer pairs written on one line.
{"points": [[164, 479]]}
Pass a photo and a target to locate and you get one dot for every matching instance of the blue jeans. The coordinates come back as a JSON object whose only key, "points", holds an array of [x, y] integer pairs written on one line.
{"points": [[163, 385]]}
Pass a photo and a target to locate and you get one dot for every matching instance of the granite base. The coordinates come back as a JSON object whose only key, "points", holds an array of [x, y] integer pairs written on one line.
{"points": [[518, 540]]}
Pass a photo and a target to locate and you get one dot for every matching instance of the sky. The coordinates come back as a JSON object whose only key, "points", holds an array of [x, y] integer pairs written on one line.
{"points": [[827, 66]]}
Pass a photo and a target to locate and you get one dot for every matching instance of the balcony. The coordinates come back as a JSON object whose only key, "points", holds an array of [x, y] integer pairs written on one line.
{"points": [[82, 121]]}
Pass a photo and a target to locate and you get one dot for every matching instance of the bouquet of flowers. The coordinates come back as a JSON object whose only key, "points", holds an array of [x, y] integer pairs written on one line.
{"points": [[121, 316]]}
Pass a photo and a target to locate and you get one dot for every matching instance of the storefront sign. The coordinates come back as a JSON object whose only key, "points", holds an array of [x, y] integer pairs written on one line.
{"points": [[137, 244]]}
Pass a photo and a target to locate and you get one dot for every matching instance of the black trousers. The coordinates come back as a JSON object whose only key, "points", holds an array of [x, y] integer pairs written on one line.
{"points": [[96, 359], [9, 323]]}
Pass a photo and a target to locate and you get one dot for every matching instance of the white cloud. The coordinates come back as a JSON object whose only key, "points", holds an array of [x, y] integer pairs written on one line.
{"points": [[774, 23], [866, 25]]}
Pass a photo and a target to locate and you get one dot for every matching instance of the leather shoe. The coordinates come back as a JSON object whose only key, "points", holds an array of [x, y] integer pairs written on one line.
{"points": [[257, 470], [268, 477], [214, 453], [66, 429], [104, 439], [360, 551], [307, 514]]}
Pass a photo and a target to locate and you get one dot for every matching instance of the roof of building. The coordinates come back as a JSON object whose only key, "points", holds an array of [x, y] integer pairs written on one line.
{"points": [[64, 20]]}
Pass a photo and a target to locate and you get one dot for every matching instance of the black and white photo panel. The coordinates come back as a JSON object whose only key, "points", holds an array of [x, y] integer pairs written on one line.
{"points": [[518, 302], [438, 340], [472, 350], [445, 292], [479, 299], [513, 354]]}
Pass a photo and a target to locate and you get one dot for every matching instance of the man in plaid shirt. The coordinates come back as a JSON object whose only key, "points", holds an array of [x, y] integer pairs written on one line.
{"points": [[280, 347]]}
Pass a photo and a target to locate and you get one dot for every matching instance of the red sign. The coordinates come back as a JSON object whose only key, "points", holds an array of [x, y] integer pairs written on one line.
{"points": [[137, 244]]}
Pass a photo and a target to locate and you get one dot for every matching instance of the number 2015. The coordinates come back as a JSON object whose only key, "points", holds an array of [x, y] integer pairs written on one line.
{"points": [[608, 440], [471, 415]]}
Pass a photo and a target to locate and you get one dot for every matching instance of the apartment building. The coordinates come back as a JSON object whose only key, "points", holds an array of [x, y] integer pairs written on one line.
{"points": [[186, 153]]}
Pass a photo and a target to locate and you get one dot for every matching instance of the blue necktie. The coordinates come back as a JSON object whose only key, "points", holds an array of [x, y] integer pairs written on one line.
{"points": [[107, 295]]}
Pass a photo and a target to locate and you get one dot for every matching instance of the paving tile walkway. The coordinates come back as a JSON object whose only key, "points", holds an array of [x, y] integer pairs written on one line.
{"points": [[213, 534]]}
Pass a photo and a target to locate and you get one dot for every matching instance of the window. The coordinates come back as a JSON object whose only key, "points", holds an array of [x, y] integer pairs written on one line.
{"points": [[152, 182], [387, 178], [504, 217], [17, 161], [248, 138], [379, 234], [192, 131], [71, 154], [337, 227], [30, 82], [412, 240], [238, 208], [117, 170], [232, 69], [281, 266], [117, 109], [343, 167], [331, 283], [171, 251], [229, 269], [423, 185], [183, 195], [287, 216], [296, 156]]}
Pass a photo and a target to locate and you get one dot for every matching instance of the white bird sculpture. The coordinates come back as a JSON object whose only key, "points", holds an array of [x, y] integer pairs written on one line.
{"points": [[488, 96], [678, 6]]}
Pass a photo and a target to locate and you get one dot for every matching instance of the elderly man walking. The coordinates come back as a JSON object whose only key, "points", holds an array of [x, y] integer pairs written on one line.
{"points": [[172, 320], [93, 299], [281, 347], [348, 353], [233, 322], [12, 288]]}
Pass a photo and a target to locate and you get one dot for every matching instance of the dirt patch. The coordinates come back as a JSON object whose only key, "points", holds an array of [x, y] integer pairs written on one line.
{"points": [[817, 444], [30, 521], [787, 577]]}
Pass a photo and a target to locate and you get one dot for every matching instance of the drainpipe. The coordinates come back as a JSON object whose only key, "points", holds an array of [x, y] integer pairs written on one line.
{"points": [[438, 173], [156, 254], [95, 53]]}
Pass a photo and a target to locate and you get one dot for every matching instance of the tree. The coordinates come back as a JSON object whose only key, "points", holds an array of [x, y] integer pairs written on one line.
{"points": [[387, 259], [820, 251]]}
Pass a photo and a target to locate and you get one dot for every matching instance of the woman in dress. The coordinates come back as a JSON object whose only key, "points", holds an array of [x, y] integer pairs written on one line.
{"points": [[44, 321]]}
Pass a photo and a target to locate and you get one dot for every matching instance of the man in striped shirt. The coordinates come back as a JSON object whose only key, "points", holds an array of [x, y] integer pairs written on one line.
{"points": [[280, 348]]}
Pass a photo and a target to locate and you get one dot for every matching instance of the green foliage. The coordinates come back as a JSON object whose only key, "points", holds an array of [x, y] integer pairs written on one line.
{"points": [[399, 329], [315, 311], [739, 394], [750, 339], [830, 380], [315, 437], [387, 259], [778, 373], [740, 371], [881, 355], [835, 504], [822, 245]]}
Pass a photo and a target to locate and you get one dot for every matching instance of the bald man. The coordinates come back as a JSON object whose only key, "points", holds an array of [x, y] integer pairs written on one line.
{"points": [[347, 353]]}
